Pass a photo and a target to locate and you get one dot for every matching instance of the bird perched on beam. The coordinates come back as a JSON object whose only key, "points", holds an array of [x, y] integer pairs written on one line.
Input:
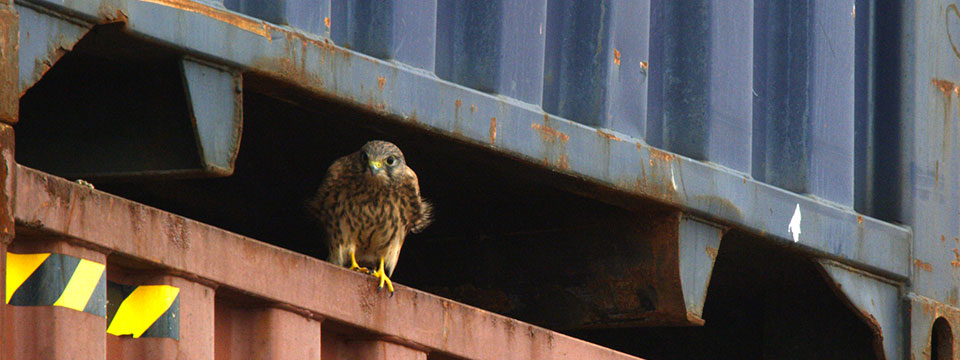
{"points": [[368, 202]]}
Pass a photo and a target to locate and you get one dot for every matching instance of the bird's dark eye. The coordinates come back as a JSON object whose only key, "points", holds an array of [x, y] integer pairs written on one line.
{"points": [[391, 160]]}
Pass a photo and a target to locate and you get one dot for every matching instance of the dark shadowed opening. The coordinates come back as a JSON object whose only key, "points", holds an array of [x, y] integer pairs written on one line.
{"points": [[941, 340]]}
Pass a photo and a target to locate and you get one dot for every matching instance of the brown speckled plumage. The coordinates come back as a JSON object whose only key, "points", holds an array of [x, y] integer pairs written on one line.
{"points": [[370, 209]]}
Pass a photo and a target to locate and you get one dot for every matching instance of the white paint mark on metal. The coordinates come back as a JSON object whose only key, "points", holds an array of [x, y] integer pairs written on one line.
{"points": [[794, 227], [673, 180]]}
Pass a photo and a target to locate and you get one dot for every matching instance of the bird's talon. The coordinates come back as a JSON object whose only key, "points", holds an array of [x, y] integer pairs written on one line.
{"points": [[382, 275]]}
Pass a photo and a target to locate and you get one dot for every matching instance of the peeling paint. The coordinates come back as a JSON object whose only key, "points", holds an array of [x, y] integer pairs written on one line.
{"points": [[712, 252], [661, 155], [608, 136], [946, 87], [549, 133], [493, 130], [562, 162]]}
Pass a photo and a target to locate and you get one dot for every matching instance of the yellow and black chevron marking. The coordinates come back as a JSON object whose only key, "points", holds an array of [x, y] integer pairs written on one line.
{"points": [[56, 279], [145, 310], [62, 280]]}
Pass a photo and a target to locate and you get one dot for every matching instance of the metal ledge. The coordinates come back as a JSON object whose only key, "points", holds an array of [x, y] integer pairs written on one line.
{"points": [[47, 204], [509, 126]]}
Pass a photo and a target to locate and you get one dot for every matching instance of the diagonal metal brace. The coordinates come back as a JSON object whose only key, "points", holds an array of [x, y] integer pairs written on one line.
{"points": [[875, 299]]}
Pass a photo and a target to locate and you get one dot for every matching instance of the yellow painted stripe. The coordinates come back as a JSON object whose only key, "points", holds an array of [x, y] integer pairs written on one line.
{"points": [[19, 268], [141, 308], [81, 285]]}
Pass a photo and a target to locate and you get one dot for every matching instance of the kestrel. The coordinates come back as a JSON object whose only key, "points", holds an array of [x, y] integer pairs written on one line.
{"points": [[368, 202]]}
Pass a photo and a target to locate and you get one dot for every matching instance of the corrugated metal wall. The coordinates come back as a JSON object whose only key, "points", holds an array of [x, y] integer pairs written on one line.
{"points": [[826, 127]]}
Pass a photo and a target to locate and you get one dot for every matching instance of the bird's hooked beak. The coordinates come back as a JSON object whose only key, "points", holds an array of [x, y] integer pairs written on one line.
{"points": [[376, 166]]}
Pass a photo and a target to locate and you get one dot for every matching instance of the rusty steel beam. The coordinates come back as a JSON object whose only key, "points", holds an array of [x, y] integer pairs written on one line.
{"points": [[9, 53], [48, 204]]}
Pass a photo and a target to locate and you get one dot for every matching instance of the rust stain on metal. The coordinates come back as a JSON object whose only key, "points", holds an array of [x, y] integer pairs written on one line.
{"points": [[326, 21], [956, 255], [616, 56], [923, 265], [608, 136], [859, 219], [253, 26], [380, 82], [562, 162], [9, 73], [493, 130], [114, 16], [661, 155], [946, 87], [712, 252], [643, 67], [473, 108], [8, 181], [458, 103], [549, 134], [177, 232]]}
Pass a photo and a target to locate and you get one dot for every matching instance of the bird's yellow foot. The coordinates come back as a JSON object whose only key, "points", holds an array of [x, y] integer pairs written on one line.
{"points": [[356, 267], [382, 275]]}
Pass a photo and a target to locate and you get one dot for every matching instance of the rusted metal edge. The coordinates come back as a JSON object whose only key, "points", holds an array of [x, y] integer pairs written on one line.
{"points": [[9, 66], [50, 204], [627, 166]]}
